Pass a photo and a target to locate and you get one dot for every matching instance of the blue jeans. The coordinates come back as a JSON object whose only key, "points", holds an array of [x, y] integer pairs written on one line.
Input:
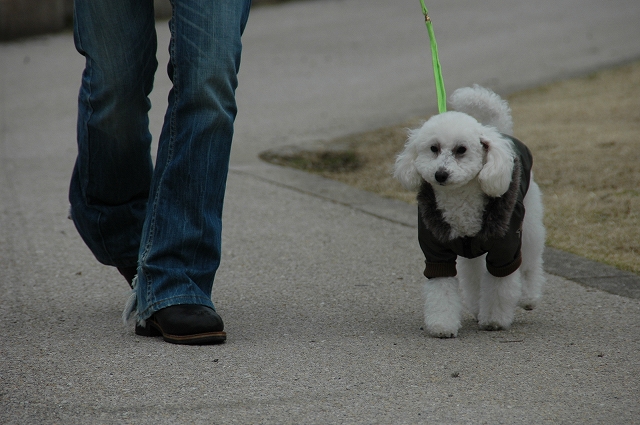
{"points": [[164, 220]]}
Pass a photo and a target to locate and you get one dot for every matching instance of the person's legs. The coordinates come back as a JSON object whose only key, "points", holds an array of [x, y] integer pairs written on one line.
{"points": [[181, 238], [112, 175]]}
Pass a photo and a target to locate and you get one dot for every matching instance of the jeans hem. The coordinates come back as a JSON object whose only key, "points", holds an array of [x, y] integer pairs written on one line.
{"points": [[182, 299]]}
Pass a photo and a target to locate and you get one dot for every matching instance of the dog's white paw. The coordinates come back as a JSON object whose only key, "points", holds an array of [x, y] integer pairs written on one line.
{"points": [[443, 324], [442, 307], [528, 304], [492, 326], [496, 321], [439, 331]]}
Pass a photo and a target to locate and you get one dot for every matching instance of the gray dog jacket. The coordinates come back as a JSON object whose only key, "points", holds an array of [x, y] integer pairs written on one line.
{"points": [[500, 236]]}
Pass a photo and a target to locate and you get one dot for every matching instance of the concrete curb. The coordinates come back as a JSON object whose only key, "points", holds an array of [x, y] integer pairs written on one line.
{"points": [[560, 263]]}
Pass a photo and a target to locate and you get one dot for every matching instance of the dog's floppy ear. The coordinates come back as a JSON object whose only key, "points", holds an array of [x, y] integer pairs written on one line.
{"points": [[405, 168], [497, 171]]}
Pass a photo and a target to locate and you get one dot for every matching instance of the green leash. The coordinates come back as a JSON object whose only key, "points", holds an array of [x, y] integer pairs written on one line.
{"points": [[437, 71]]}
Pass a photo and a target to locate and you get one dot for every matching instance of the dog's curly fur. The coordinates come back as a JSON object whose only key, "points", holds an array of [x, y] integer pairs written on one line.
{"points": [[461, 162]]}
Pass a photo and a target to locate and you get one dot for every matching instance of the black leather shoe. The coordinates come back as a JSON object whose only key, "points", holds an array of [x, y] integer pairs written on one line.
{"points": [[185, 324], [129, 273]]}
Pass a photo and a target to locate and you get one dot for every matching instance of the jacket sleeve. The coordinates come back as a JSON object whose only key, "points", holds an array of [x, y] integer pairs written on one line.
{"points": [[440, 261], [504, 256]]}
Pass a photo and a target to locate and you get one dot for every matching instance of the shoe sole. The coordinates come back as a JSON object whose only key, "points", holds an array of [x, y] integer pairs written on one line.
{"points": [[152, 328]]}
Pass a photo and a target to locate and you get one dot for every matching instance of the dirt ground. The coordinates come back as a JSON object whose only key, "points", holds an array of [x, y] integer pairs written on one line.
{"points": [[584, 134]]}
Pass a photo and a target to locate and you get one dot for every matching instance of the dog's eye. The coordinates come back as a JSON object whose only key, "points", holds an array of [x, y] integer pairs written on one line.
{"points": [[461, 150], [435, 149]]}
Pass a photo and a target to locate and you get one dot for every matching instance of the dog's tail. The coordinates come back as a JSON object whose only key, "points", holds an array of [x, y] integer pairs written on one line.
{"points": [[485, 106]]}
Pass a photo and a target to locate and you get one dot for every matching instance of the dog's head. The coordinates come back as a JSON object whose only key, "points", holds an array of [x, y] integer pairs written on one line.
{"points": [[453, 148]]}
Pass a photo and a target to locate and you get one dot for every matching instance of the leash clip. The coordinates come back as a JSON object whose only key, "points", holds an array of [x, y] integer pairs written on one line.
{"points": [[427, 18]]}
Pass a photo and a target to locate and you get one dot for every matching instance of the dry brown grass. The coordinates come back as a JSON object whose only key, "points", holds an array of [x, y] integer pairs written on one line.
{"points": [[585, 137]]}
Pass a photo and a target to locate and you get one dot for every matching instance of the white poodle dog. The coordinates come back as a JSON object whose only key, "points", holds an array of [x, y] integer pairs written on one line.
{"points": [[474, 183]]}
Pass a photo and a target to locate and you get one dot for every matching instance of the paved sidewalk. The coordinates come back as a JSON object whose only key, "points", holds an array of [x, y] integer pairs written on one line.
{"points": [[320, 283]]}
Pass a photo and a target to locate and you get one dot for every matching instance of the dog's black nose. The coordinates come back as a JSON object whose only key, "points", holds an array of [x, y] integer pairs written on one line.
{"points": [[441, 176]]}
